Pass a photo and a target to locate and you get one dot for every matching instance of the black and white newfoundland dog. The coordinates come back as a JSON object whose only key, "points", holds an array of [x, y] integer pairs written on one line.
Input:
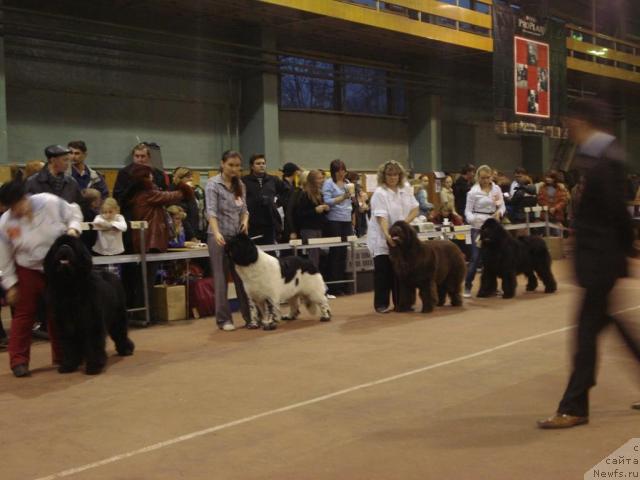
{"points": [[268, 281], [505, 256], [436, 268], [86, 306]]}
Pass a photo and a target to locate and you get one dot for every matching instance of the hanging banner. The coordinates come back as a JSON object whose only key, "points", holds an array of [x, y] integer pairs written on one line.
{"points": [[529, 68], [531, 77]]}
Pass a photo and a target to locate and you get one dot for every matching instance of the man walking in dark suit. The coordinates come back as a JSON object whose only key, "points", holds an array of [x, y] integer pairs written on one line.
{"points": [[604, 239]]}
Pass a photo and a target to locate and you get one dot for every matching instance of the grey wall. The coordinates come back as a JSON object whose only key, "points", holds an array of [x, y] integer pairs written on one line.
{"points": [[58, 92], [312, 140]]}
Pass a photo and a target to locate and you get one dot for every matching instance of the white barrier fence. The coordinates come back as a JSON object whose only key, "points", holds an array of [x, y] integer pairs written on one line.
{"points": [[357, 250]]}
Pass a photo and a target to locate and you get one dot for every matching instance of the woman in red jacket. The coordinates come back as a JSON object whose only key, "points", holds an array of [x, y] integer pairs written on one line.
{"points": [[553, 194], [143, 200]]}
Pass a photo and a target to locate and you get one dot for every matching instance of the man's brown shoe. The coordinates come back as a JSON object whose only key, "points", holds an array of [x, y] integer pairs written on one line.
{"points": [[560, 420], [635, 406]]}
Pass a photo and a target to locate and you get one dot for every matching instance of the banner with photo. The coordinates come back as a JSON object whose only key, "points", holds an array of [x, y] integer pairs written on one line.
{"points": [[531, 77], [529, 67]]}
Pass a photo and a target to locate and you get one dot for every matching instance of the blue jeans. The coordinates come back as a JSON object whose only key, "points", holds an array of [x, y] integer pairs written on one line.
{"points": [[475, 260]]}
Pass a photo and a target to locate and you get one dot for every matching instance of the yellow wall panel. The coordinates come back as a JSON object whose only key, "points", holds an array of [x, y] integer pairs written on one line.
{"points": [[448, 11], [611, 54], [387, 21], [602, 70]]}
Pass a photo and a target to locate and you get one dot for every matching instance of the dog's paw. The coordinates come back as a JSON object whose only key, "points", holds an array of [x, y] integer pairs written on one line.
{"points": [[288, 318], [531, 288], [427, 309], [485, 294], [93, 369], [269, 326], [550, 289], [325, 319], [67, 368], [126, 350]]}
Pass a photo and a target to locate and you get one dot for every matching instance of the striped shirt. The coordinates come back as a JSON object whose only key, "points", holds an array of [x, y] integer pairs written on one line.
{"points": [[223, 205]]}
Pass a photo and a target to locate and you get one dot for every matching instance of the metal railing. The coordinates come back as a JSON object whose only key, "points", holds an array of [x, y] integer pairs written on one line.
{"points": [[352, 242]]}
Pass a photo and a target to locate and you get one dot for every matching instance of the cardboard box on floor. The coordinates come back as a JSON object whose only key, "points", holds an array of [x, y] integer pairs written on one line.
{"points": [[169, 302]]}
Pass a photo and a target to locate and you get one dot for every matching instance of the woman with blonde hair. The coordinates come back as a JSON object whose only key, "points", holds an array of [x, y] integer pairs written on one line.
{"points": [[393, 200], [310, 212], [484, 201], [446, 194]]}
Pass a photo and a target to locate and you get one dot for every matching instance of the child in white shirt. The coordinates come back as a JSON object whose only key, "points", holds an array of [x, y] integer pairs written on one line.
{"points": [[110, 225]]}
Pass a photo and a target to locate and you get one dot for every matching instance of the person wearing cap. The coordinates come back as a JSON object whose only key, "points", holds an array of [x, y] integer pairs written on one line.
{"points": [[289, 172], [27, 230], [262, 193], [53, 177], [82, 173], [604, 240]]}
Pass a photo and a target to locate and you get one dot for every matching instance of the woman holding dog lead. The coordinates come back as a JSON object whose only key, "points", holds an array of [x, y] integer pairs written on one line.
{"points": [[28, 228], [484, 200], [226, 201], [392, 201]]}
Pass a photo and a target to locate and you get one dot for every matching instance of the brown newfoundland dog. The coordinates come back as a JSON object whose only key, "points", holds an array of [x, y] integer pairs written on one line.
{"points": [[436, 268]]}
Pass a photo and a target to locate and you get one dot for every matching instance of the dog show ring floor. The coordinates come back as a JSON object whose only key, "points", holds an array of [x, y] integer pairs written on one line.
{"points": [[454, 394]]}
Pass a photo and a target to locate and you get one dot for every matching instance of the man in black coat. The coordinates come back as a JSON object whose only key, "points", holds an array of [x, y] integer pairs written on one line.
{"points": [[262, 192], [461, 187], [139, 155], [289, 173], [604, 239], [53, 178]]}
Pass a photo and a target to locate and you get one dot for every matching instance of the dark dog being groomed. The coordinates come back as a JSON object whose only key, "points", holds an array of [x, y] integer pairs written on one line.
{"points": [[436, 268], [505, 256], [86, 306]]}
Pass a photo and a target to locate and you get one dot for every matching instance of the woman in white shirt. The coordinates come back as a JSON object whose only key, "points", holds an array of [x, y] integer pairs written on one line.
{"points": [[484, 201], [393, 200]]}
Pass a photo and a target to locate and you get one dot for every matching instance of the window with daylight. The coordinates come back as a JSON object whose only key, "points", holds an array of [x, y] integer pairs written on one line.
{"points": [[306, 84]]}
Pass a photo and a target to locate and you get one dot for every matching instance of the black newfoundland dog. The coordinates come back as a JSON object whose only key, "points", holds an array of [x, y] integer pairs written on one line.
{"points": [[86, 306], [505, 256], [436, 268]]}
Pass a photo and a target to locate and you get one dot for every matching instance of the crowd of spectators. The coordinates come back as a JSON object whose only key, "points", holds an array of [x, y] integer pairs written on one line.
{"points": [[298, 204]]}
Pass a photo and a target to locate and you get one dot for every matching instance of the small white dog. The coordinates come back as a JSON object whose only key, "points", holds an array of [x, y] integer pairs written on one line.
{"points": [[268, 281]]}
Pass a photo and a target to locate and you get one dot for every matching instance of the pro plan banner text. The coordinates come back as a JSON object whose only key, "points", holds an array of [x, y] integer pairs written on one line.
{"points": [[531, 77], [529, 67]]}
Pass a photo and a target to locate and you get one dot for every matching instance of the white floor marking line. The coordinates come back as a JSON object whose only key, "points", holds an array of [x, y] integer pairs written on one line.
{"points": [[217, 428]]}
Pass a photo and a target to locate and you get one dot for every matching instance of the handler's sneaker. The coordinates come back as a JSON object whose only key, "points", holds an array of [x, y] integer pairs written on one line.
{"points": [[21, 370], [467, 293], [228, 327]]}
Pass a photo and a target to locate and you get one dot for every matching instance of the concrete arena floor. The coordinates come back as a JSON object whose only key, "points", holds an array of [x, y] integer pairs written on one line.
{"points": [[461, 417]]}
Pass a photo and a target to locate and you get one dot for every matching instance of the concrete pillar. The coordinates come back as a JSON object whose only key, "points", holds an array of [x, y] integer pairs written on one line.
{"points": [[259, 124], [4, 155], [536, 154], [425, 132]]}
